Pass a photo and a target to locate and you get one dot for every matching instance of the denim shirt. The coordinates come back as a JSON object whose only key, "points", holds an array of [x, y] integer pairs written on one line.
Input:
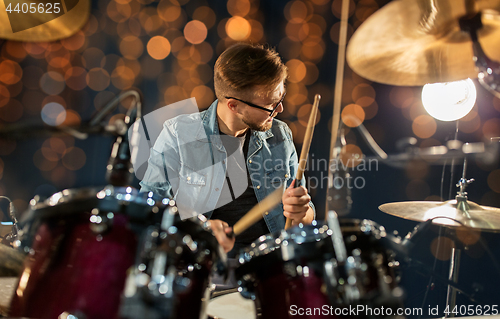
{"points": [[188, 163]]}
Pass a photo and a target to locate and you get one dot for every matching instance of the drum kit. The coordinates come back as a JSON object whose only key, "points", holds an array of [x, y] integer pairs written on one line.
{"points": [[112, 252]]}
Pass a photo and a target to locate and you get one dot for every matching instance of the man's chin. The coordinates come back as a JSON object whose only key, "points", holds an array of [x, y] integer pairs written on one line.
{"points": [[262, 127]]}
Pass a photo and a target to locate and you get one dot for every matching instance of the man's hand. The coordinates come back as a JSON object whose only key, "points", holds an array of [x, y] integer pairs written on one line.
{"points": [[296, 205], [221, 229]]}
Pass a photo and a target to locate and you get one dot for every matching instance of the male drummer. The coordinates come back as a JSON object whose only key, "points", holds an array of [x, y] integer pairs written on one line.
{"points": [[223, 161]]}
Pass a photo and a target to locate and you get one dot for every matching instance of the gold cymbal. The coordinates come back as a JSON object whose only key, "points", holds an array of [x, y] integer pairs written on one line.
{"points": [[415, 42], [476, 216], [42, 21]]}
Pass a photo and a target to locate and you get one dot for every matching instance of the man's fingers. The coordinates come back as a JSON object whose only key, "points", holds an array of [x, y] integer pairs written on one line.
{"points": [[302, 200], [294, 216], [295, 208], [293, 192]]}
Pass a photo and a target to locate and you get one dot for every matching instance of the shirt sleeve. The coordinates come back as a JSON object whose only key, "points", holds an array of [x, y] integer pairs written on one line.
{"points": [[163, 158]]}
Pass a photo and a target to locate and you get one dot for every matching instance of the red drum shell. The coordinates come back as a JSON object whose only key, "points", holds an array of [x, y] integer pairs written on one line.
{"points": [[72, 269]]}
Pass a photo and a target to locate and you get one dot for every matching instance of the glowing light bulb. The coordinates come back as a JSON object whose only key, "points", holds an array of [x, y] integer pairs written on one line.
{"points": [[449, 101]]}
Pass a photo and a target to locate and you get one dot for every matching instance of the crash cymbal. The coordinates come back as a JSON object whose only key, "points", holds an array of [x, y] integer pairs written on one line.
{"points": [[11, 261], [476, 216], [42, 21], [415, 42]]}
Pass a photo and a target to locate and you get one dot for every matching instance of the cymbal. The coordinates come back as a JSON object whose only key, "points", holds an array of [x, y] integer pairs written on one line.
{"points": [[43, 22], [11, 261], [415, 42], [476, 216]]}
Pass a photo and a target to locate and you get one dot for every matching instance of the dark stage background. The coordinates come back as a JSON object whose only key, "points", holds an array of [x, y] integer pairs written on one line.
{"points": [[167, 49]]}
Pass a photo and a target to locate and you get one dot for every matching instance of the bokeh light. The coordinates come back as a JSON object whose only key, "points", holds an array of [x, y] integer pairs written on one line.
{"points": [[353, 115], [491, 128], [4, 95], [53, 114], [195, 32], [76, 78], [15, 50], [238, 7], [168, 11], [441, 248], [131, 47], [238, 28], [52, 83], [296, 70], [158, 47], [205, 15], [424, 126], [10, 72], [74, 158], [98, 79]]}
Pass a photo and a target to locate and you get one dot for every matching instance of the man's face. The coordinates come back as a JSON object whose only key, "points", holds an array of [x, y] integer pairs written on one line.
{"points": [[260, 120]]}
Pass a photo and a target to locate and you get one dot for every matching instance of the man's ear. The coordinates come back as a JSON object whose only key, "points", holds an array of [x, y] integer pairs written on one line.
{"points": [[231, 105]]}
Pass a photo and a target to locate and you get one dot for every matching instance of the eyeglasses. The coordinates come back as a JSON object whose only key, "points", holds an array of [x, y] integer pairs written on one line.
{"points": [[261, 107]]}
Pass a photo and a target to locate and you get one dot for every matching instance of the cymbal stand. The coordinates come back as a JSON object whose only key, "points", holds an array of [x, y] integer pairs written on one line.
{"points": [[456, 253], [488, 70]]}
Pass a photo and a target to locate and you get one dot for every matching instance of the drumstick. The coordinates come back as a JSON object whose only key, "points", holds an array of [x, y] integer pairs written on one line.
{"points": [[258, 210], [305, 147]]}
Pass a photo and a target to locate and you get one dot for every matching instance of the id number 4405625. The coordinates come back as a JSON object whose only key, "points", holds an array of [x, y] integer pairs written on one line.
{"points": [[34, 8], [472, 310]]}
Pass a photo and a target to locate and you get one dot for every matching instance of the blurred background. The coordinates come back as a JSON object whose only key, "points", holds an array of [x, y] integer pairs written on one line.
{"points": [[166, 49]]}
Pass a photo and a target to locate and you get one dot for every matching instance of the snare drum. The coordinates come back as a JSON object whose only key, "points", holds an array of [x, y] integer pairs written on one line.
{"points": [[172, 275], [295, 270], [80, 244]]}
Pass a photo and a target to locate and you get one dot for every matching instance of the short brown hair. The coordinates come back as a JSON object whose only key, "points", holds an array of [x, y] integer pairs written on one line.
{"points": [[243, 66]]}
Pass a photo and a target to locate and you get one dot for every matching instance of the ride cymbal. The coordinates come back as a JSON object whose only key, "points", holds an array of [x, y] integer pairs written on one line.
{"points": [[415, 42], [444, 213]]}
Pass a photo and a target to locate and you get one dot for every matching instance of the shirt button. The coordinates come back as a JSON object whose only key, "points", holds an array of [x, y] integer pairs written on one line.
{"points": [[223, 162], [189, 178], [258, 186], [286, 175], [216, 189], [250, 161], [266, 213]]}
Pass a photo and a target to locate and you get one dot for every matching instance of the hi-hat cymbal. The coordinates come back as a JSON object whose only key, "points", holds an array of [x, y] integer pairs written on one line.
{"points": [[479, 217], [415, 42]]}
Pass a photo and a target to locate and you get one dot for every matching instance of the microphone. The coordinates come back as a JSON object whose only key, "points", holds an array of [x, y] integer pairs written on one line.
{"points": [[409, 241], [120, 171]]}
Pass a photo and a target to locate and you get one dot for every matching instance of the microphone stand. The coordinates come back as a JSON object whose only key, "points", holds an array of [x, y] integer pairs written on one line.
{"points": [[120, 171]]}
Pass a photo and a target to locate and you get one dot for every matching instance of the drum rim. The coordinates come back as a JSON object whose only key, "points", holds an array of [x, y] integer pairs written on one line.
{"points": [[108, 198], [317, 231], [266, 244]]}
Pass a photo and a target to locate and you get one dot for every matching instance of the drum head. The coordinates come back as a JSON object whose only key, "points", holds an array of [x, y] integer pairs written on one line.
{"points": [[231, 306]]}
